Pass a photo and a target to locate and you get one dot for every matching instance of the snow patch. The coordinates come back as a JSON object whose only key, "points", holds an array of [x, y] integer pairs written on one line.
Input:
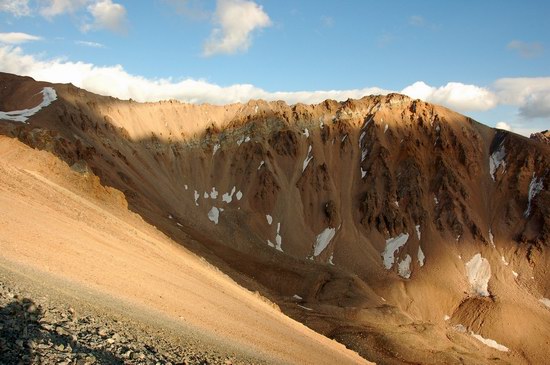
{"points": [[239, 195], [545, 301], [418, 233], [214, 215], [497, 159], [504, 261], [261, 164], [197, 196], [228, 197], [491, 238], [421, 256], [344, 138], [216, 148], [446, 318], [330, 259], [48, 96], [363, 173], [170, 216], [278, 238], [306, 133], [435, 200], [186, 187], [489, 342], [392, 246], [535, 187], [404, 267], [386, 128], [364, 154], [306, 308], [308, 158], [361, 137], [478, 270], [297, 297], [515, 273], [213, 194], [243, 139], [323, 239], [205, 195], [269, 219]]}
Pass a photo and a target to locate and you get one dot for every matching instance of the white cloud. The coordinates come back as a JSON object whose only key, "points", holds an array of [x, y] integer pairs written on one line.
{"points": [[503, 125], [235, 22], [107, 15], [526, 50], [454, 95], [58, 7], [90, 44], [16, 38], [15, 7], [115, 81], [530, 94]]}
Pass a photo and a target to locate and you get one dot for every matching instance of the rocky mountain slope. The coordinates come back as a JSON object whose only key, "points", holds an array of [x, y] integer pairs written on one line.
{"points": [[406, 231]]}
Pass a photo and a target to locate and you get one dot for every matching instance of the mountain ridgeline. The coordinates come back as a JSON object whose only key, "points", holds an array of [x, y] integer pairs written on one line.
{"points": [[404, 230]]}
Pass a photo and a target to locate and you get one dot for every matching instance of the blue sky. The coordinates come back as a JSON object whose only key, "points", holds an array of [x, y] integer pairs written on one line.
{"points": [[487, 59]]}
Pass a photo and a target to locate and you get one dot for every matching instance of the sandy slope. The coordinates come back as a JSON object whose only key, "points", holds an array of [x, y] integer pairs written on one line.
{"points": [[52, 224]]}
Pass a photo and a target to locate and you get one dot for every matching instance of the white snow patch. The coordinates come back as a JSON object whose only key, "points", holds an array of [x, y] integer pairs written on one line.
{"points": [[535, 187], [261, 164], [545, 301], [239, 195], [435, 200], [197, 196], [247, 139], [330, 259], [271, 244], [216, 148], [186, 187], [418, 233], [213, 194], [386, 128], [361, 137], [489, 342], [504, 260], [491, 238], [278, 238], [308, 158], [306, 133], [392, 246], [458, 238], [323, 239], [344, 138], [363, 173], [364, 154], [421, 256], [170, 216], [306, 308], [497, 159], [404, 267], [515, 273], [297, 297], [479, 272], [243, 139], [459, 328], [396, 203], [446, 318], [228, 197], [48, 96], [256, 109], [205, 195], [179, 224], [269, 219], [214, 215]]}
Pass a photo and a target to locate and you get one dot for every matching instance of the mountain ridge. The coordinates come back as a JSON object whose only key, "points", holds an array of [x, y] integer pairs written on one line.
{"points": [[374, 203]]}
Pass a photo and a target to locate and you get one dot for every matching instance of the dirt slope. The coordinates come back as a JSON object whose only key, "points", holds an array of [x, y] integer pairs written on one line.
{"points": [[402, 229], [66, 224]]}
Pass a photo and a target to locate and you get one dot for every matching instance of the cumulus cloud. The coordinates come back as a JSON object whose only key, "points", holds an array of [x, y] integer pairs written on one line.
{"points": [[17, 38], [454, 95], [107, 15], [525, 49], [54, 8], [503, 125], [15, 7], [115, 81], [235, 22], [530, 94]]}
